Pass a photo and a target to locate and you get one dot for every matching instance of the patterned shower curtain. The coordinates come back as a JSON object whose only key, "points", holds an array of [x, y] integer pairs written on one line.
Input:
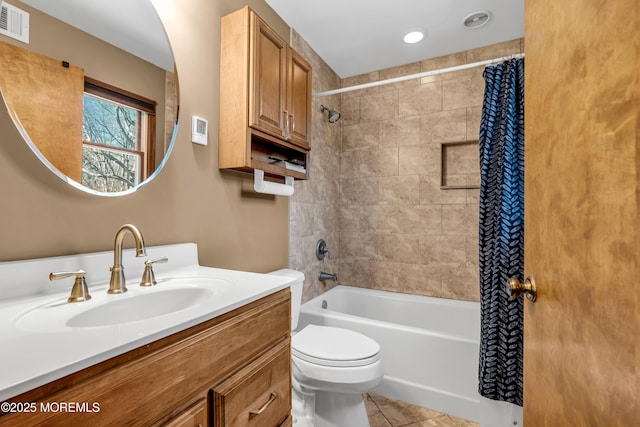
{"points": [[501, 231]]}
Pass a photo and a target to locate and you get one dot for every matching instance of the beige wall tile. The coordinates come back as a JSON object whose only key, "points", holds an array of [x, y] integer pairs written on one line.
{"points": [[421, 99], [358, 80], [441, 62], [399, 190], [379, 106], [384, 276], [443, 126], [420, 159], [361, 135], [400, 131], [462, 93], [473, 195], [473, 250], [350, 110], [361, 246], [419, 279], [474, 115], [459, 220], [430, 219], [392, 219], [430, 192], [359, 191], [355, 272], [314, 208], [443, 250], [461, 283], [375, 162], [361, 219], [404, 248], [400, 71]]}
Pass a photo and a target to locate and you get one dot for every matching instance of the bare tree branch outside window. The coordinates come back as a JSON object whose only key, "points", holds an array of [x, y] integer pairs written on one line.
{"points": [[111, 158]]}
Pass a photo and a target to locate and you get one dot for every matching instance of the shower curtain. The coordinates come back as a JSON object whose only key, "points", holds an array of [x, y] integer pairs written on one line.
{"points": [[501, 231]]}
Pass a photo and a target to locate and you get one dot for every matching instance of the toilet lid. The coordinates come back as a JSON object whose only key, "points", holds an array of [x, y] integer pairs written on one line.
{"points": [[329, 346]]}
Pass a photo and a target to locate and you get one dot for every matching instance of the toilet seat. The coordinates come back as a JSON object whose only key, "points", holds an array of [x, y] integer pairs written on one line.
{"points": [[334, 347]]}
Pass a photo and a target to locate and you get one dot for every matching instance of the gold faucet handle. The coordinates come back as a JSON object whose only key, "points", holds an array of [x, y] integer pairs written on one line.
{"points": [[80, 291], [148, 277]]}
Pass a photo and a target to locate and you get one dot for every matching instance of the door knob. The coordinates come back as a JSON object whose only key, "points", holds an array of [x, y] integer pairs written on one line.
{"points": [[514, 288]]}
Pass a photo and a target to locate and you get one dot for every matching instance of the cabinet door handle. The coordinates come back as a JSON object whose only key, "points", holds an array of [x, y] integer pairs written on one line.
{"points": [[293, 124], [285, 128], [264, 407]]}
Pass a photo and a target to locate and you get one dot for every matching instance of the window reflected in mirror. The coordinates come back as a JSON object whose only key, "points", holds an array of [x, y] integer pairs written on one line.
{"points": [[117, 138]]}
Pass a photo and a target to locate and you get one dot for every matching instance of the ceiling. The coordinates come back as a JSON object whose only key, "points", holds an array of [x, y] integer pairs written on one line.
{"points": [[359, 36]]}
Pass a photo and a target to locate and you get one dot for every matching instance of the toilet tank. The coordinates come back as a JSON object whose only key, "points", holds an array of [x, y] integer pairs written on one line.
{"points": [[296, 292]]}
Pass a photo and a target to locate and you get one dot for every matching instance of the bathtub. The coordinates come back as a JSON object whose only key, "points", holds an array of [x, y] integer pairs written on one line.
{"points": [[429, 348]]}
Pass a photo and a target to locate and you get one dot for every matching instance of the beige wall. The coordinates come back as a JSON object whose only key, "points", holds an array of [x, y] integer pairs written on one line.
{"points": [[398, 230], [190, 201]]}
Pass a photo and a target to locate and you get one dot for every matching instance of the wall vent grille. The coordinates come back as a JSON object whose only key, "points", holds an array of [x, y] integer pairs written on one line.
{"points": [[14, 22]]}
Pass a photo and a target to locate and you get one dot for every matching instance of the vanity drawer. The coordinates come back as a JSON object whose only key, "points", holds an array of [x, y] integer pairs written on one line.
{"points": [[257, 395]]}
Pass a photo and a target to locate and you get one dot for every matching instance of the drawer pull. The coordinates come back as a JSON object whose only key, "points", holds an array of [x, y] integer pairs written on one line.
{"points": [[273, 397]]}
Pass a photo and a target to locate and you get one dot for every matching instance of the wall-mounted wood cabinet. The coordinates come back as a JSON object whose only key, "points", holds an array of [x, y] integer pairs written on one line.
{"points": [[265, 99]]}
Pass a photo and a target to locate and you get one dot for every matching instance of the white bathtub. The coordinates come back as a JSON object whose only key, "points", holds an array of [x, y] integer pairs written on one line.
{"points": [[430, 348]]}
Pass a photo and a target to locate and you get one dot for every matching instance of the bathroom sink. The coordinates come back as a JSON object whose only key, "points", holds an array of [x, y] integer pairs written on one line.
{"points": [[139, 307], [170, 296]]}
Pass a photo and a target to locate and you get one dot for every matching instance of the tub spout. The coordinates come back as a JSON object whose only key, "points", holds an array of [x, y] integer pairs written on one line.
{"points": [[327, 276]]}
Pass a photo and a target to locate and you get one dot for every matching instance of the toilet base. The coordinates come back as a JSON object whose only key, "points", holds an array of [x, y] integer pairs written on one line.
{"points": [[340, 410]]}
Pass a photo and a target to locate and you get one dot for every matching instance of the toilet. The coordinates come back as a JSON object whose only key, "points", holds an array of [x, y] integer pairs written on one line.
{"points": [[330, 369]]}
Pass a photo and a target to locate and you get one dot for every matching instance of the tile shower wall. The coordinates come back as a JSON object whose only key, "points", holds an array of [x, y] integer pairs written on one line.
{"points": [[398, 230], [314, 207]]}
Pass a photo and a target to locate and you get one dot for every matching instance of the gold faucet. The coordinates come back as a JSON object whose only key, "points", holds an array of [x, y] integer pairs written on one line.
{"points": [[117, 285]]}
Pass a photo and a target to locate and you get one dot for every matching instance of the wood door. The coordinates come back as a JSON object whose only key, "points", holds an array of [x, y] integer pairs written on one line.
{"points": [[268, 80], [47, 99], [299, 99], [582, 353]]}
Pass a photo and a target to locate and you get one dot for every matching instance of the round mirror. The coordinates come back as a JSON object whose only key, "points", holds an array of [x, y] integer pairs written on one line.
{"points": [[92, 87]]}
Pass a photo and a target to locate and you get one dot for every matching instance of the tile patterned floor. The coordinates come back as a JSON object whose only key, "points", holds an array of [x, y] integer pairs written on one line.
{"points": [[387, 412]]}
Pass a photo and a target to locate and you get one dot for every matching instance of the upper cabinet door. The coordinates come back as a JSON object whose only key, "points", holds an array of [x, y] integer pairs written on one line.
{"points": [[299, 99], [268, 65]]}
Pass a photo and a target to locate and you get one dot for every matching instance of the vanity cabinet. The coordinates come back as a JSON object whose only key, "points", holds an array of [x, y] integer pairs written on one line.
{"points": [[212, 374], [265, 99]]}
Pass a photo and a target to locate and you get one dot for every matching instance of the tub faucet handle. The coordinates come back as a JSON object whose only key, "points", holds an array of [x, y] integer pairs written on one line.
{"points": [[149, 277], [79, 292], [322, 249]]}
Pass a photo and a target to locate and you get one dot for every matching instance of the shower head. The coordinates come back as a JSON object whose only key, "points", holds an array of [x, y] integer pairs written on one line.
{"points": [[334, 116]]}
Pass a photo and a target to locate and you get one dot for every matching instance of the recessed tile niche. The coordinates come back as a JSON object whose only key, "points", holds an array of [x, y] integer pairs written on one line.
{"points": [[460, 165]]}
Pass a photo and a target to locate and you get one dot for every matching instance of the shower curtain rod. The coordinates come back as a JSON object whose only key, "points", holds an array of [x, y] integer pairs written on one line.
{"points": [[418, 75]]}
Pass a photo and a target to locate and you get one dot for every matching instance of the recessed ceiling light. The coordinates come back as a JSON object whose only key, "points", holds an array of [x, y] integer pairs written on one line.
{"points": [[413, 37], [477, 19]]}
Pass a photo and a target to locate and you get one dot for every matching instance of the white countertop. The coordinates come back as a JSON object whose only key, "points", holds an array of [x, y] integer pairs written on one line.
{"points": [[31, 356]]}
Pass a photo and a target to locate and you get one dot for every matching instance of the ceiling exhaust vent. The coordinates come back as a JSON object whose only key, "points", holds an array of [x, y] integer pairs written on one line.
{"points": [[14, 22]]}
